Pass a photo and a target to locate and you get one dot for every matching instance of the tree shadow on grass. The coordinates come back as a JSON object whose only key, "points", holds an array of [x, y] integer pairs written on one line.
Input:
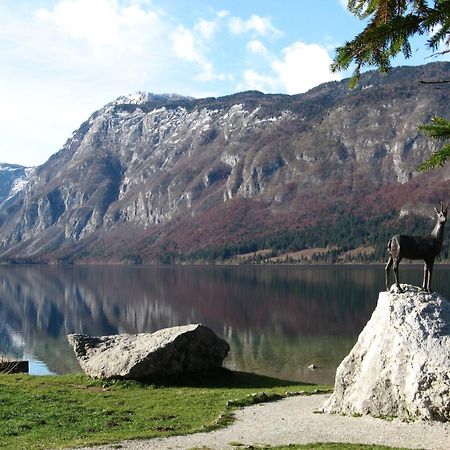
{"points": [[222, 378]]}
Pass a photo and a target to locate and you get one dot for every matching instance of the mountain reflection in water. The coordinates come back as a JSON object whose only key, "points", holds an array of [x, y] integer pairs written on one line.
{"points": [[278, 320]]}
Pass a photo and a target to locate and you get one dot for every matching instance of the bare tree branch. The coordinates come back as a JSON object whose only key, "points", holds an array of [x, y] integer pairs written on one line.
{"points": [[433, 81], [435, 55]]}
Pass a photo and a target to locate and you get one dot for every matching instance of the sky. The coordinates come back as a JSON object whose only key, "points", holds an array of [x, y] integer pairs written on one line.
{"points": [[61, 60]]}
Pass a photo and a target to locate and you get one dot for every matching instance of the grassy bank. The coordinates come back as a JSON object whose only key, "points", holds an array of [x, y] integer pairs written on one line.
{"points": [[62, 411]]}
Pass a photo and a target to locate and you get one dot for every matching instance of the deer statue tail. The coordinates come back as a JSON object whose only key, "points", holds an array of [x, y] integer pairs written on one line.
{"points": [[389, 245], [393, 246]]}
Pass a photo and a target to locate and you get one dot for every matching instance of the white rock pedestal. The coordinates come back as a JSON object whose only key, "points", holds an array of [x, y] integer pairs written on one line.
{"points": [[400, 365]]}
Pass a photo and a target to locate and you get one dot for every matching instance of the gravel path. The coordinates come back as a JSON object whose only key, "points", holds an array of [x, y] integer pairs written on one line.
{"points": [[293, 420]]}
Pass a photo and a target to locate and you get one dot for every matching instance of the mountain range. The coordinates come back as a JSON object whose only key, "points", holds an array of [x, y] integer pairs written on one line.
{"points": [[324, 175]]}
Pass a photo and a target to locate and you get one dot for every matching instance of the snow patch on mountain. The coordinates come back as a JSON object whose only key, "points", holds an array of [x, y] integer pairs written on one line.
{"points": [[20, 183], [141, 97]]}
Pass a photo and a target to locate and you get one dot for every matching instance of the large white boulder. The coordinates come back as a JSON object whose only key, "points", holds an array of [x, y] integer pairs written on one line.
{"points": [[170, 351], [400, 365]]}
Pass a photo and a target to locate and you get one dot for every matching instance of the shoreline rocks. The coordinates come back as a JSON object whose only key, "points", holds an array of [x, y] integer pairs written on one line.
{"points": [[400, 365], [166, 352]]}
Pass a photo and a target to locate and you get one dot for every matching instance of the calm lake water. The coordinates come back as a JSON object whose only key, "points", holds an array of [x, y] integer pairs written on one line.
{"points": [[277, 319]]}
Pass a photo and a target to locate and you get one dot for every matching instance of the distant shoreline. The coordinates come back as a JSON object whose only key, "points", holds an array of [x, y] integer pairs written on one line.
{"points": [[409, 264]]}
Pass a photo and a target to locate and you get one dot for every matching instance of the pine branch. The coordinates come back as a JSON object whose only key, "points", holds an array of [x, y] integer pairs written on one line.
{"points": [[439, 128], [377, 44], [438, 17], [437, 159], [391, 24]]}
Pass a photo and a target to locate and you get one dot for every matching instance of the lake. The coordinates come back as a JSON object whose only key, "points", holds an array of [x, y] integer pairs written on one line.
{"points": [[277, 319]]}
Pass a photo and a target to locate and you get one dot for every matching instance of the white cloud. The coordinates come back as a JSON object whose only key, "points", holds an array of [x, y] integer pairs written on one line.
{"points": [[257, 47], [223, 13], [208, 73], [80, 20], [299, 68], [256, 81], [195, 45], [100, 22], [206, 28], [94, 37], [256, 24], [61, 63], [190, 47], [302, 67], [184, 45]]}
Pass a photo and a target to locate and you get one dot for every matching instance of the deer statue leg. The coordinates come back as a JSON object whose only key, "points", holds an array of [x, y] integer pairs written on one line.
{"points": [[425, 276], [396, 263], [429, 269], [387, 270]]}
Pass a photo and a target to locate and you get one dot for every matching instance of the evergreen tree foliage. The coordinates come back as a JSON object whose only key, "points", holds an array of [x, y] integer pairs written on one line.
{"points": [[439, 128], [390, 25]]}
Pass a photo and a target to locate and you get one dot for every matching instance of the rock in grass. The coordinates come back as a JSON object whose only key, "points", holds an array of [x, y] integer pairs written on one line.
{"points": [[400, 365], [167, 352]]}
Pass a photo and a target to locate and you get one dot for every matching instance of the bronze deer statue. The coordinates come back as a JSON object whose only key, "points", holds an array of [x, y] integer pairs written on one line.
{"points": [[425, 248]]}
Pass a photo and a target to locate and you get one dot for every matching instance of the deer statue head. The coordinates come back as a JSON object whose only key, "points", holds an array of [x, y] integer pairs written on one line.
{"points": [[442, 214]]}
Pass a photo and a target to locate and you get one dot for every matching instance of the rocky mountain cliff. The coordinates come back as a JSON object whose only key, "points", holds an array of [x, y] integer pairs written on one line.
{"points": [[163, 178], [12, 179]]}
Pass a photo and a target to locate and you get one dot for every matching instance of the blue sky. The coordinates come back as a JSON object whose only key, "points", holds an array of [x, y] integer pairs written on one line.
{"points": [[61, 60]]}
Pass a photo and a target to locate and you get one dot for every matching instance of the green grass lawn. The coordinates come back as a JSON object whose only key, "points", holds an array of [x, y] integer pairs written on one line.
{"points": [[74, 410]]}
